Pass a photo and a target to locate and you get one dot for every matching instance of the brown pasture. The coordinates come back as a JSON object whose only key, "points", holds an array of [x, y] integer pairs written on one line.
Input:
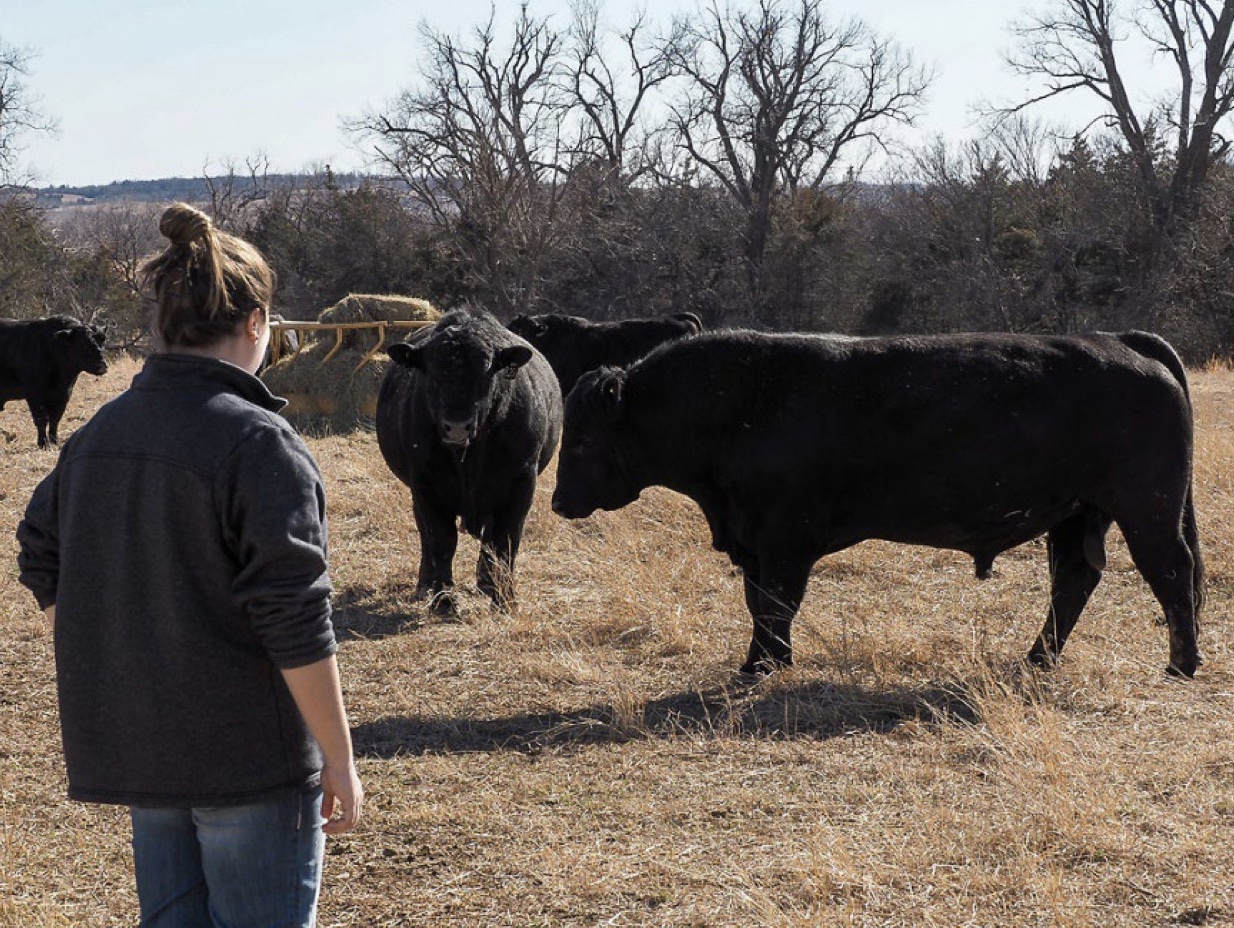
{"points": [[593, 760]]}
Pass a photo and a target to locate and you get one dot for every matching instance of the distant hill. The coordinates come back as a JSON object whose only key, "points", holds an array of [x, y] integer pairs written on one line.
{"points": [[191, 189]]}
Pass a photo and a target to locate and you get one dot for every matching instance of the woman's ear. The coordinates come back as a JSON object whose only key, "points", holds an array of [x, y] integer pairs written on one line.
{"points": [[253, 324]]}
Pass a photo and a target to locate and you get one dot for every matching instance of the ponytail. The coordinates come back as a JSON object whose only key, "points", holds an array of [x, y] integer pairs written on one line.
{"points": [[206, 282]]}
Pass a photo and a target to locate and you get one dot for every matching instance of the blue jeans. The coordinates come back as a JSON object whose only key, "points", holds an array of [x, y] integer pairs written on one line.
{"points": [[248, 866]]}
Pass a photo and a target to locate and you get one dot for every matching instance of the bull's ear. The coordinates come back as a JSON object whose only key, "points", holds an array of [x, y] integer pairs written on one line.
{"points": [[690, 319], [529, 324], [612, 388], [511, 358], [404, 354], [65, 334]]}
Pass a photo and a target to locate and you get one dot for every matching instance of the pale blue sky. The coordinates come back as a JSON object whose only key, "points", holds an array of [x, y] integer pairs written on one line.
{"points": [[145, 89]]}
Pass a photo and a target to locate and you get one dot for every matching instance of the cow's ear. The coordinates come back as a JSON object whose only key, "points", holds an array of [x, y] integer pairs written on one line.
{"points": [[404, 354], [65, 334], [531, 324], [612, 388], [691, 320], [509, 359]]}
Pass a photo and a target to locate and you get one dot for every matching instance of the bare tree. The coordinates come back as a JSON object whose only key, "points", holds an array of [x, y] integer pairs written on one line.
{"points": [[612, 99], [479, 143], [232, 194], [19, 111], [1074, 45], [119, 236], [777, 98]]}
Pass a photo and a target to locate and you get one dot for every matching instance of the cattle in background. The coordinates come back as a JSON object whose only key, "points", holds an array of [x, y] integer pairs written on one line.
{"points": [[39, 363], [574, 345], [468, 417], [284, 342], [796, 446]]}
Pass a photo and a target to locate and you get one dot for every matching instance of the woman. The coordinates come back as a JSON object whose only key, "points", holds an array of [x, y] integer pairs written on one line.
{"points": [[178, 549]]}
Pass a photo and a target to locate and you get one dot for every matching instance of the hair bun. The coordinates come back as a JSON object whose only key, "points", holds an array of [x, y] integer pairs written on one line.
{"points": [[184, 224]]}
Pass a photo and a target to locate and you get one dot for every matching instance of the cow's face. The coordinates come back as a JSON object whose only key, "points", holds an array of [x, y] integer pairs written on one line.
{"points": [[462, 377], [81, 348], [545, 332], [528, 327], [593, 467]]}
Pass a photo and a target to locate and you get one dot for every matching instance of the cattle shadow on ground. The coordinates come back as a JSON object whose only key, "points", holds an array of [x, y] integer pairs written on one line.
{"points": [[813, 711], [364, 625]]}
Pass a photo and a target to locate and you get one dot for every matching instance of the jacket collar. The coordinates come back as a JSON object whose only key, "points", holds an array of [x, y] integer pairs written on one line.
{"points": [[178, 371]]}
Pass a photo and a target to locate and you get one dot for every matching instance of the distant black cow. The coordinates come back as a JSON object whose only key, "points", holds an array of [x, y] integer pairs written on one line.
{"points": [[39, 363], [574, 345], [796, 446], [468, 417], [284, 342]]}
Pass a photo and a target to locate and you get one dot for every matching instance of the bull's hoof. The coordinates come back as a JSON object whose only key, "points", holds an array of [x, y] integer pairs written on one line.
{"points": [[1042, 659], [1185, 668], [444, 604], [500, 600], [764, 667]]}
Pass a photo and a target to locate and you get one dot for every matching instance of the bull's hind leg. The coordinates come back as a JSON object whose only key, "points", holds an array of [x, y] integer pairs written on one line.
{"points": [[1165, 560], [1077, 556]]}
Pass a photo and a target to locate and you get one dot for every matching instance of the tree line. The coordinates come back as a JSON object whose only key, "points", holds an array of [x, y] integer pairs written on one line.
{"points": [[714, 164]]}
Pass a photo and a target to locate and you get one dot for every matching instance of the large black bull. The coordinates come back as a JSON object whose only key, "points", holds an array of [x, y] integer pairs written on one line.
{"points": [[40, 362], [468, 416], [574, 345], [796, 446]]}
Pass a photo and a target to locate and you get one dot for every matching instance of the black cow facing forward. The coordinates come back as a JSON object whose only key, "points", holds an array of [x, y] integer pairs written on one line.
{"points": [[40, 362], [468, 417], [574, 345], [796, 446]]}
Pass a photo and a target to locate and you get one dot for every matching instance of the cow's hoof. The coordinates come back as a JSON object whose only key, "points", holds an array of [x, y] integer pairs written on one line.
{"points": [[1184, 669], [444, 604], [1042, 659], [763, 667]]}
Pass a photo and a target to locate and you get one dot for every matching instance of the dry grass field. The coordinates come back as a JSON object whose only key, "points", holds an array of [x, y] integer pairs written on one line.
{"points": [[594, 760]]}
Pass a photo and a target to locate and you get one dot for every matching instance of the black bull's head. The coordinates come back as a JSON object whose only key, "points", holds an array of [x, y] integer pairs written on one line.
{"points": [[593, 468], [81, 348], [463, 375]]}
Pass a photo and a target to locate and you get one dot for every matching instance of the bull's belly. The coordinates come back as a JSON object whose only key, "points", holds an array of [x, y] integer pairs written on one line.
{"points": [[980, 532]]}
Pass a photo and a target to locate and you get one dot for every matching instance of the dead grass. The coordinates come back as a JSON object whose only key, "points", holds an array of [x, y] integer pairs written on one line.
{"points": [[592, 760]]}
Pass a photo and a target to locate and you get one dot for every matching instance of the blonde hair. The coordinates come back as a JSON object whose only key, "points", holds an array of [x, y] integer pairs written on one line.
{"points": [[206, 282]]}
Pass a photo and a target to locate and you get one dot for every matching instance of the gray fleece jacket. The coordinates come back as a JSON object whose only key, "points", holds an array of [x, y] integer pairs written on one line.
{"points": [[182, 538]]}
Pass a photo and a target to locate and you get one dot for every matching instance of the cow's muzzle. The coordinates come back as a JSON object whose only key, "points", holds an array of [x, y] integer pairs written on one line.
{"points": [[568, 510], [458, 434]]}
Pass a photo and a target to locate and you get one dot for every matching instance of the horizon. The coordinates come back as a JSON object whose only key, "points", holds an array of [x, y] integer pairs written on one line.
{"points": [[132, 107]]}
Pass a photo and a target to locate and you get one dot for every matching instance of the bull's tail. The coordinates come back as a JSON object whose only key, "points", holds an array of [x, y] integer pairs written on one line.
{"points": [[1191, 535], [1158, 349]]}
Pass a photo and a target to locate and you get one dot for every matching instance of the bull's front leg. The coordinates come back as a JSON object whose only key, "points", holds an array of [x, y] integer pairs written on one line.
{"points": [[499, 544], [42, 417], [438, 541], [55, 412], [774, 591]]}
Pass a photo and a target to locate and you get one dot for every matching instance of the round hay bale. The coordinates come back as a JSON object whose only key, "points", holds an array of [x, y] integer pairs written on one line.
{"points": [[375, 307], [339, 393], [332, 386]]}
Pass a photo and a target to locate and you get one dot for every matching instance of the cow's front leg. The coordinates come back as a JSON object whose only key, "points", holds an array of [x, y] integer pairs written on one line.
{"points": [[499, 544], [438, 541], [55, 413], [773, 595], [41, 417]]}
